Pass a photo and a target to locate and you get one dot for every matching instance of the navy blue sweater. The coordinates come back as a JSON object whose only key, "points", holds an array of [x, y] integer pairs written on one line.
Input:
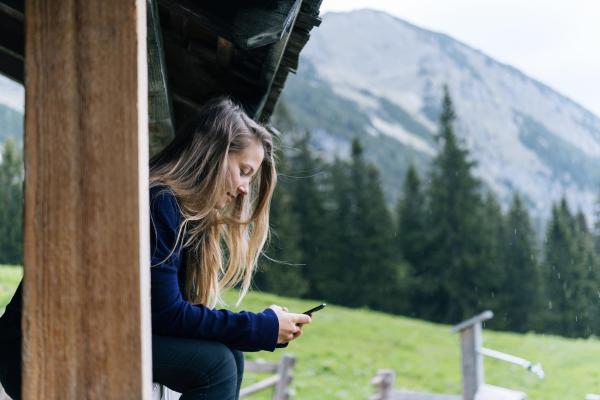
{"points": [[172, 315]]}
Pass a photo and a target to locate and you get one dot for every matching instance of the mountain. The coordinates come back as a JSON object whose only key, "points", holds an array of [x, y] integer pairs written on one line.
{"points": [[11, 110], [368, 74]]}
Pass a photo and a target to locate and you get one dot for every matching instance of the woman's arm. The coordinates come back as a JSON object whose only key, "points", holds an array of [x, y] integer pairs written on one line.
{"points": [[172, 315]]}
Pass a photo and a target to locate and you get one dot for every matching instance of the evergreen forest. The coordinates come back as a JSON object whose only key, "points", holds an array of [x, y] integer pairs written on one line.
{"points": [[444, 252]]}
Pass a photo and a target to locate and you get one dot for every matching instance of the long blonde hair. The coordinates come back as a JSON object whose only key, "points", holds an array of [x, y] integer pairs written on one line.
{"points": [[222, 246]]}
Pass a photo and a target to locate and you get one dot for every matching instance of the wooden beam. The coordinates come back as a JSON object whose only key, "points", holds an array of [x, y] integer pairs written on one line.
{"points": [[224, 52], [86, 321], [160, 109]]}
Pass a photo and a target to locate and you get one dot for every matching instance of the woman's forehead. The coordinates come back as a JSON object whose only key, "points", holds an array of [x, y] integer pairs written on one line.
{"points": [[253, 154]]}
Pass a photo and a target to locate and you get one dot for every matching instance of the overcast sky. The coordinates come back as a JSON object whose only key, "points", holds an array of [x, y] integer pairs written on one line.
{"points": [[554, 41]]}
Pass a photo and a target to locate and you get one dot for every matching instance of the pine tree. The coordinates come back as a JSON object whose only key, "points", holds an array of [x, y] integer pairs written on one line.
{"points": [[455, 276], [588, 286], [570, 276], [280, 271], [307, 204], [334, 276], [492, 240], [381, 271], [11, 204], [410, 211], [410, 238], [558, 258], [360, 268], [520, 295]]}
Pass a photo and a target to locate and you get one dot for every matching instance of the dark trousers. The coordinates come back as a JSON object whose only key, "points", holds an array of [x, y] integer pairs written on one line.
{"points": [[10, 371], [10, 346], [198, 369]]}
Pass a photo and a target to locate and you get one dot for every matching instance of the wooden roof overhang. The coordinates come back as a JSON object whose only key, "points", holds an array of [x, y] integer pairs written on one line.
{"points": [[197, 50]]}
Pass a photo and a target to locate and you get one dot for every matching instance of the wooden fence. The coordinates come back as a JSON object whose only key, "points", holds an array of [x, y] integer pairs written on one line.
{"points": [[472, 352]]}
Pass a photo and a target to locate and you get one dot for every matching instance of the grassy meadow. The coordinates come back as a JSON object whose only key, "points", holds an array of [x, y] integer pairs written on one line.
{"points": [[342, 350]]}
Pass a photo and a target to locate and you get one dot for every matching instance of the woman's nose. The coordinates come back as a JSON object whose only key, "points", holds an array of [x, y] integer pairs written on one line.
{"points": [[243, 189]]}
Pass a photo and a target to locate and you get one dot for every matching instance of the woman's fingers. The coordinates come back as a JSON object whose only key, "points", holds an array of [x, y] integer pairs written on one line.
{"points": [[290, 324], [301, 319]]}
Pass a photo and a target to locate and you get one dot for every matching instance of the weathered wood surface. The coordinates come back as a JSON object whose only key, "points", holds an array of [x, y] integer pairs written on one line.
{"points": [[259, 386], [160, 113], [86, 316], [384, 382], [282, 388], [409, 395], [490, 392], [471, 358]]}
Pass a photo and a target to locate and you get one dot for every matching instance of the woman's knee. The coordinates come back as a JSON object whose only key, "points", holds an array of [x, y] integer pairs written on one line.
{"points": [[195, 367], [225, 367], [238, 356]]}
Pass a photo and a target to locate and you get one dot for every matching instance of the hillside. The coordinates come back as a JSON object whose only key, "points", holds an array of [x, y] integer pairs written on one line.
{"points": [[368, 74], [343, 349]]}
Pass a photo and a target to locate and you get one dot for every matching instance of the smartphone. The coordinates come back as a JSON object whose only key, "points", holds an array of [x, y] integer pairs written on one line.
{"points": [[315, 309]]}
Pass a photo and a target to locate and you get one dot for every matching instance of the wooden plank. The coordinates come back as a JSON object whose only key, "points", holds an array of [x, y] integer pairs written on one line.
{"points": [[472, 360], [484, 316], [490, 392], [12, 42], [409, 395], [86, 319], [258, 386], [260, 367], [160, 113], [284, 371]]}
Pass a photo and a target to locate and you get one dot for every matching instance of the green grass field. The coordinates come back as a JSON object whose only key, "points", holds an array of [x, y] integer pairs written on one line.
{"points": [[342, 350], [10, 276]]}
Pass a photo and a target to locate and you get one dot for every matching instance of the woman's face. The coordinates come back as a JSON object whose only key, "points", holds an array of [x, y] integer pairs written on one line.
{"points": [[242, 166]]}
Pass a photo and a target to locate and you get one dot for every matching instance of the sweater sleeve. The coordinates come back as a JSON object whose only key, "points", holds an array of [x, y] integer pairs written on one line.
{"points": [[172, 315]]}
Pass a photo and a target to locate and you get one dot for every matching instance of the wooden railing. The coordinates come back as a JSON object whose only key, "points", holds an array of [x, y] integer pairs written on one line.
{"points": [[280, 381], [384, 389], [472, 352]]}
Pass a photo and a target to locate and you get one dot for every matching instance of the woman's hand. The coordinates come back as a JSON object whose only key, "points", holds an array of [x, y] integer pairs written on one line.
{"points": [[290, 324]]}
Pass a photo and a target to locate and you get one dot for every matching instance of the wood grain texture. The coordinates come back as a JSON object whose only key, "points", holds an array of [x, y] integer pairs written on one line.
{"points": [[471, 360], [86, 313]]}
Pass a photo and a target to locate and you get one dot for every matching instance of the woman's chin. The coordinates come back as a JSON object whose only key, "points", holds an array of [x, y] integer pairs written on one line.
{"points": [[222, 204]]}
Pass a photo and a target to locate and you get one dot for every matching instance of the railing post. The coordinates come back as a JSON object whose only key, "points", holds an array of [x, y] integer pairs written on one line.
{"points": [[282, 388], [384, 384], [472, 359]]}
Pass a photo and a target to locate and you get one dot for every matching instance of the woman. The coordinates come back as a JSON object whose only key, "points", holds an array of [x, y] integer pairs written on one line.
{"points": [[210, 191]]}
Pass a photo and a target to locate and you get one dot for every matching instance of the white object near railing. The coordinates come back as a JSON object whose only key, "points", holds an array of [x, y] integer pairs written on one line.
{"points": [[592, 397], [384, 387], [472, 352], [280, 381]]}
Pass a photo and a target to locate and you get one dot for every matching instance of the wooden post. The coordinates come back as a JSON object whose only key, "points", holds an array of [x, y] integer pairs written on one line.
{"points": [[384, 384], [284, 371], [86, 320], [472, 359]]}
